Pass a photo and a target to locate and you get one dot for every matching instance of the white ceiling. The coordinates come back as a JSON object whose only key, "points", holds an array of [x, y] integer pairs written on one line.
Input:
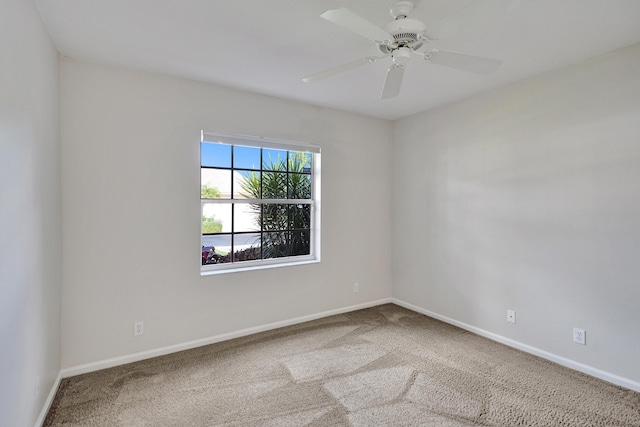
{"points": [[267, 46]]}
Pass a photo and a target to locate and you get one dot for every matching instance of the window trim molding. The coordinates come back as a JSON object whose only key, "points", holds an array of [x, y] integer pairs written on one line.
{"points": [[315, 202], [258, 141]]}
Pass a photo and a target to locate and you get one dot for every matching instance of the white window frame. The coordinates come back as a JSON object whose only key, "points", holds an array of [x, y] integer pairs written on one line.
{"points": [[268, 143]]}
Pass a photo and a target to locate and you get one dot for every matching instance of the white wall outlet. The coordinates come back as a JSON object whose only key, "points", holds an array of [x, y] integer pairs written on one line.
{"points": [[511, 316], [138, 328], [356, 287], [580, 336]]}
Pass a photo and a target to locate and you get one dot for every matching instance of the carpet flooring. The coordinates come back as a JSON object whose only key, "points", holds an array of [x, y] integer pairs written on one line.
{"points": [[382, 366]]}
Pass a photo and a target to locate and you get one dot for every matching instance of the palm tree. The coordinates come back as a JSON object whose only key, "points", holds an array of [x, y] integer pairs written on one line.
{"points": [[285, 227]]}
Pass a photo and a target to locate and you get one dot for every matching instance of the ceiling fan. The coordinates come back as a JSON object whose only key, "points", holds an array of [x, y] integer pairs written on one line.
{"points": [[399, 39]]}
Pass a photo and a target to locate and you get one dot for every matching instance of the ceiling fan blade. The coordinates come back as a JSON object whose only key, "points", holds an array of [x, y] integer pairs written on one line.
{"points": [[476, 15], [393, 81], [356, 23], [340, 68], [461, 61]]}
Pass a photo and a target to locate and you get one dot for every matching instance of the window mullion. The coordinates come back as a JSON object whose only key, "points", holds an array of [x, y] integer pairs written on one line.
{"points": [[262, 205]]}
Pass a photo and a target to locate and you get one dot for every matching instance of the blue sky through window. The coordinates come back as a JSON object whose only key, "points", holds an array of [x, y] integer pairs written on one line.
{"points": [[244, 157], [215, 155]]}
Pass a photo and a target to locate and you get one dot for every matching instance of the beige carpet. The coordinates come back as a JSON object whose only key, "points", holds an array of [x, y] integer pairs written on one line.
{"points": [[384, 366]]}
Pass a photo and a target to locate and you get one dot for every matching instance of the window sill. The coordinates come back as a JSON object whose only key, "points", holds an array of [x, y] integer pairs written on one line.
{"points": [[229, 268]]}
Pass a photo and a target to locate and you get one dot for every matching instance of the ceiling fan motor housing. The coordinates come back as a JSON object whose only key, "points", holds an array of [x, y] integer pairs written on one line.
{"points": [[406, 33]]}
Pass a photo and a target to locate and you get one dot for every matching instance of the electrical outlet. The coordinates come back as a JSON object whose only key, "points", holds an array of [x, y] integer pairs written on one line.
{"points": [[356, 287], [138, 328], [580, 336], [511, 316]]}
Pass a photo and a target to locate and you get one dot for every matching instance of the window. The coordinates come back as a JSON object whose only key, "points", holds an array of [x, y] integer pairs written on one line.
{"points": [[259, 202]]}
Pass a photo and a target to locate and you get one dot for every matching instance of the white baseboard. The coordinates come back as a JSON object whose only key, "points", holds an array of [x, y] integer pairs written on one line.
{"points": [[122, 360], [589, 370], [49, 401]]}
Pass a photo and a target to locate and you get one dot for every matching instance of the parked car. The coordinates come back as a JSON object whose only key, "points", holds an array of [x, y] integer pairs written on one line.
{"points": [[209, 255]]}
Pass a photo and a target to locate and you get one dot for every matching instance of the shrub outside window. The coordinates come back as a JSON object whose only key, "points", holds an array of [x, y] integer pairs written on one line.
{"points": [[259, 202]]}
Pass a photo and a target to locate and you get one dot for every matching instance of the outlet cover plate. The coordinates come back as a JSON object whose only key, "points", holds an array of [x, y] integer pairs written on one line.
{"points": [[580, 336], [511, 316], [138, 328]]}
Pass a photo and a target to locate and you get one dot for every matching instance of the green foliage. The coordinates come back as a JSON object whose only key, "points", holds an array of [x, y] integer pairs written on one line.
{"points": [[209, 192], [285, 226], [274, 180], [211, 225]]}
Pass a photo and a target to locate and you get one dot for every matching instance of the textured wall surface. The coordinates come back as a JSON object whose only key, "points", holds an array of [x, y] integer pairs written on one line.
{"points": [[30, 222], [528, 198], [131, 178]]}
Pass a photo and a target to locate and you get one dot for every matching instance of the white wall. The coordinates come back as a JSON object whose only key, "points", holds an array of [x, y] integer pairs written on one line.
{"points": [[528, 197], [130, 162], [30, 223]]}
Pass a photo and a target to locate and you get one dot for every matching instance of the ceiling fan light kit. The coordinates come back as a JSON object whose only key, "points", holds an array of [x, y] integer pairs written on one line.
{"points": [[399, 39]]}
